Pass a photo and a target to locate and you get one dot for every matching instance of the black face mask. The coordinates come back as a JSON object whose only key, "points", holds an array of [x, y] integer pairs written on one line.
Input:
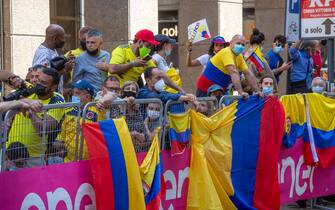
{"points": [[128, 94], [41, 90], [92, 53], [82, 45]]}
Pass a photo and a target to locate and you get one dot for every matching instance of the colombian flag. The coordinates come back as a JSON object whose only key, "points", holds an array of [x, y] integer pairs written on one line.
{"points": [[234, 156], [312, 118], [319, 135], [179, 132], [256, 58], [151, 171], [114, 166], [295, 113]]}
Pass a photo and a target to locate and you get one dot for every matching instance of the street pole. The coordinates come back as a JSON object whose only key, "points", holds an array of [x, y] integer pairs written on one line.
{"points": [[330, 53]]}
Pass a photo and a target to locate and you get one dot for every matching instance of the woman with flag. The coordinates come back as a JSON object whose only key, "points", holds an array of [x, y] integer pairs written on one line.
{"points": [[255, 59]]}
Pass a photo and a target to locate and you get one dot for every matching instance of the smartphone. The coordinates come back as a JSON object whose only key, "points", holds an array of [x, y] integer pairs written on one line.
{"points": [[147, 58]]}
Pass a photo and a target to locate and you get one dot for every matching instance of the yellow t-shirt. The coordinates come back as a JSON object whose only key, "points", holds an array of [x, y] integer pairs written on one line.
{"points": [[124, 54], [75, 52], [216, 71], [22, 129], [69, 130], [226, 57]]}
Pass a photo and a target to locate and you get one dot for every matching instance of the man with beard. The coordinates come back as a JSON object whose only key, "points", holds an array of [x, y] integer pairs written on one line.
{"points": [[92, 64], [28, 128], [54, 39]]}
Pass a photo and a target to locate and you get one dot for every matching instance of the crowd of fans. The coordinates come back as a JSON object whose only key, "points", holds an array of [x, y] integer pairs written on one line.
{"points": [[89, 73]]}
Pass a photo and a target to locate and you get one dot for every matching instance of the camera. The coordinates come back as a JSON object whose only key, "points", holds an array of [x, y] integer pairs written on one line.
{"points": [[25, 90]]}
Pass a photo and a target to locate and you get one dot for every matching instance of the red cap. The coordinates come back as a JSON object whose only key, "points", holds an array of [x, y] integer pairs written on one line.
{"points": [[147, 36]]}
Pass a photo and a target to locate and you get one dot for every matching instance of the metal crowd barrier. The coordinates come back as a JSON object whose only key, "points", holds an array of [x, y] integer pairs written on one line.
{"points": [[141, 127], [175, 107], [35, 140], [227, 100]]}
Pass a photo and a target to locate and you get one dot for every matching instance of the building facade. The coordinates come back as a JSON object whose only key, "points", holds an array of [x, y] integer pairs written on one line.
{"points": [[24, 24]]}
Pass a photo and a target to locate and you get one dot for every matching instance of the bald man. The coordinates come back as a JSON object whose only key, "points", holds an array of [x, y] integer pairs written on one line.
{"points": [[54, 39], [225, 67]]}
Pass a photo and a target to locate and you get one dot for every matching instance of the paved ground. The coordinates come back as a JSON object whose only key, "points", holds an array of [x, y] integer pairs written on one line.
{"points": [[328, 205]]}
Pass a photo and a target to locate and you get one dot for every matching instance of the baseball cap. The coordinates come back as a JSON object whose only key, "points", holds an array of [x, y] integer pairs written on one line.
{"points": [[84, 85], [163, 38], [213, 88], [147, 36], [218, 39]]}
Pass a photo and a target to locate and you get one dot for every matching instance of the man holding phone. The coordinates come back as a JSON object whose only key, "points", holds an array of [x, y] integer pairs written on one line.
{"points": [[129, 61]]}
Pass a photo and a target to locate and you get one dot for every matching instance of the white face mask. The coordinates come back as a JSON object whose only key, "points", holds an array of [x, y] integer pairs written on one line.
{"points": [[160, 85], [152, 114]]}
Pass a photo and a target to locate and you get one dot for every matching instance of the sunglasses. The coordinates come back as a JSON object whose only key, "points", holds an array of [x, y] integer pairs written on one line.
{"points": [[280, 45]]}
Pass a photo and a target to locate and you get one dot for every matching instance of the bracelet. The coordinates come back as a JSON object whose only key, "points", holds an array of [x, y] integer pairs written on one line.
{"points": [[132, 64]]}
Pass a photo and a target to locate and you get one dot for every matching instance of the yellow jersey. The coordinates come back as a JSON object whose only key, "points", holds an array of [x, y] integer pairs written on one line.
{"points": [[124, 54], [22, 129]]}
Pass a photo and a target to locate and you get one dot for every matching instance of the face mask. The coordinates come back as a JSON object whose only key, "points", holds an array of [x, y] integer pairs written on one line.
{"points": [[55, 160], [83, 45], [278, 49], [152, 114], [75, 99], [317, 89], [144, 51], [160, 85], [238, 49], [218, 98], [92, 53], [128, 94], [168, 52], [267, 90], [40, 90]]}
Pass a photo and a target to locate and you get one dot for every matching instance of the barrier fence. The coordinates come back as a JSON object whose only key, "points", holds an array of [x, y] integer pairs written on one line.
{"points": [[60, 137], [136, 114], [34, 139]]}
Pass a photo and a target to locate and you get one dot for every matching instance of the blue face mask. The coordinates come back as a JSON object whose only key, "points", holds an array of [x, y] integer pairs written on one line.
{"points": [[267, 90], [238, 49], [278, 49], [168, 52], [317, 89], [75, 99]]}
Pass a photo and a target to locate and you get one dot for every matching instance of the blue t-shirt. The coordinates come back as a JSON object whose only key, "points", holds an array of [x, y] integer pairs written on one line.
{"points": [[275, 61]]}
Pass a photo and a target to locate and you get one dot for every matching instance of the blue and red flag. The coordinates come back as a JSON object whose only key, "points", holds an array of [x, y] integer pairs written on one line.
{"points": [[114, 166], [179, 132], [151, 171]]}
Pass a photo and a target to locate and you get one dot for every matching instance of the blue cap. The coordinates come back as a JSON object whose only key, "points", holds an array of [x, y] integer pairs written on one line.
{"points": [[163, 38], [219, 39], [213, 88], [84, 85]]}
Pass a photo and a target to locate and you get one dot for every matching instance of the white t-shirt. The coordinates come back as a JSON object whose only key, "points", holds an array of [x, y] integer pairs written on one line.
{"points": [[43, 55], [203, 59], [161, 62]]}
